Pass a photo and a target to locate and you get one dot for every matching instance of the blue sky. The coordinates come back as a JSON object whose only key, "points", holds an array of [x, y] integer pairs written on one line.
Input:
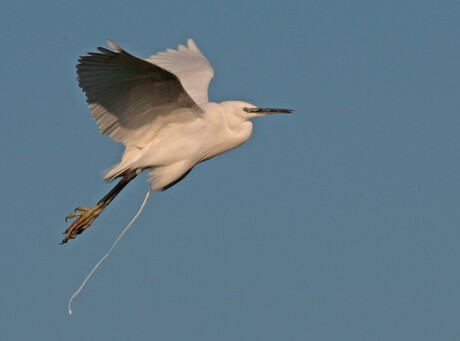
{"points": [[340, 222]]}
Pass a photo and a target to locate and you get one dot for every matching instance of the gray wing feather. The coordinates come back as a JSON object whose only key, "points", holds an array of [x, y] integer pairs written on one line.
{"points": [[130, 98]]}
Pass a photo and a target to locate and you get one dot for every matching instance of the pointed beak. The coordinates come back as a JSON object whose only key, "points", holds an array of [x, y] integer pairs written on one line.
{"points": [[269, 111]]}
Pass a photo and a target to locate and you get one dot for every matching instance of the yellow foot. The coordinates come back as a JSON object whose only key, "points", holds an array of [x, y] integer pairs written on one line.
{"points": [[86, 216]]}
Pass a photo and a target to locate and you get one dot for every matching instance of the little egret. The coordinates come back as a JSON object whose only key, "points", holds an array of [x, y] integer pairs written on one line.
{"points": [[159, 109]]}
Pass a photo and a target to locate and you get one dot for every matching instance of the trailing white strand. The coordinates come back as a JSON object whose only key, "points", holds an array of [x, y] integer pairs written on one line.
{"points": [[109, 252]]}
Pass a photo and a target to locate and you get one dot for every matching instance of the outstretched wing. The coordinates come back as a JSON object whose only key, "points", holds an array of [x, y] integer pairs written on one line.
{"points": [[130, 98], [190, 66]]}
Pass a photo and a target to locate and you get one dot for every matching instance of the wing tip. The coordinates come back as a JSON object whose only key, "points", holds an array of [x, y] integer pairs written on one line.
{"points": [[191, 45], [114, 46]]}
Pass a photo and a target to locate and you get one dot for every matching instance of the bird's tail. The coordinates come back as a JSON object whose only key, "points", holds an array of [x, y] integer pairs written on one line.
{"points": [[116, 171], [127, 164]]}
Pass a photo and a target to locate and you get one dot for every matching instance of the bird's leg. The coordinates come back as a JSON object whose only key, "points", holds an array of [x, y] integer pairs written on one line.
{"points": [[86, 216]]}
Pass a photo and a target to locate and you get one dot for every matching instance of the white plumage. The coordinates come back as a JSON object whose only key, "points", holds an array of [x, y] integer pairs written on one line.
{"points": [[159, 109]]}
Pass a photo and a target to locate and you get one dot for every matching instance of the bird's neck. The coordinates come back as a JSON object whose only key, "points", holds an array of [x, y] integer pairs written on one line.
{"points": [[239, 131], [227, 132]]}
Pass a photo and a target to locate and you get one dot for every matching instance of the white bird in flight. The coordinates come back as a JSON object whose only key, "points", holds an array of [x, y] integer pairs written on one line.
{"points": [[159, 109]]}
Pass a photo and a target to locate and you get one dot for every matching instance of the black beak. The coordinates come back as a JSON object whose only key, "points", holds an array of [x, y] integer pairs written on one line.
{"points": [[269, 111]]}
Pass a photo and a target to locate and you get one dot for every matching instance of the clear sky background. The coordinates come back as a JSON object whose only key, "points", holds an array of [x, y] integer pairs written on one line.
{"points": [[341, 222]]}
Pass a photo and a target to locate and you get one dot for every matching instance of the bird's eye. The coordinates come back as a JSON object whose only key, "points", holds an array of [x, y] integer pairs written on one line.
{"points": [[246, 109]]}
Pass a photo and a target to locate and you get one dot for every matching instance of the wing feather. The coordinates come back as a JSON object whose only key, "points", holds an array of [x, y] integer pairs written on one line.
{"points": [[190, 66], [130, 98]]}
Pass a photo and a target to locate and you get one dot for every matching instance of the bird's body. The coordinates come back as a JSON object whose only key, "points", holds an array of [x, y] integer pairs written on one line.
{"points": [[177, 147], [159, 109]]}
